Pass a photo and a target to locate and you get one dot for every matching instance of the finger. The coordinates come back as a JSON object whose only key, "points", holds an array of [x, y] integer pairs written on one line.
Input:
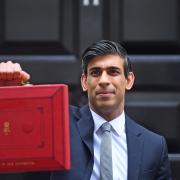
{"points": [[9, 76], [17, 67], [3, 76], [6, 70], [17, 71], [9, 70], [13, 70], [1, 68], [3, 71], [16, 75], [0, 72], [24, 76]]}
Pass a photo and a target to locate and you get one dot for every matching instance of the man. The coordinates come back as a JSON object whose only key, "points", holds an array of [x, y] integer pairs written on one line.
{"points": [[137, 153]]}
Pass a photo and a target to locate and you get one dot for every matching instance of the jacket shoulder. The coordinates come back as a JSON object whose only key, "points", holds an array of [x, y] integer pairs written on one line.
{"points": [[147, 133]]}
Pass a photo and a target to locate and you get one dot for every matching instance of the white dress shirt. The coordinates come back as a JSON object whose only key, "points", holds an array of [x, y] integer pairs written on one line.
{"points": [[119, 147]]}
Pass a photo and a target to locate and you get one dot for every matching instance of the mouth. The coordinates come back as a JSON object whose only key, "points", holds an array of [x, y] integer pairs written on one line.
{"points": [[105, 93]]}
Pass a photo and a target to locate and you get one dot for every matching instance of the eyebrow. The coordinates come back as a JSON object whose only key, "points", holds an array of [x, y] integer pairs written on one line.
{"points": [[110, 67]]}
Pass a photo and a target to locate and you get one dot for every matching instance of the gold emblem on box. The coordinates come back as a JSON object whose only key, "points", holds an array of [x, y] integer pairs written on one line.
{"points": [[6, 128]]}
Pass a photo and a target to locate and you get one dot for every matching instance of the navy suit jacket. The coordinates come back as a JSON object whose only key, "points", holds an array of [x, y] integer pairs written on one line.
{"points": [[147, 151]]}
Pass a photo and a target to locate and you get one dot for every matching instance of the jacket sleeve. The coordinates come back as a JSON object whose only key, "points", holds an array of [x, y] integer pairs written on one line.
{"points": [[164, 172]]}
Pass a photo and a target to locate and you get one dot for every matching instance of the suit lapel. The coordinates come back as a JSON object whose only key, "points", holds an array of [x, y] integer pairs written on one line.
{"points": [[135, 148], [86, 127]]}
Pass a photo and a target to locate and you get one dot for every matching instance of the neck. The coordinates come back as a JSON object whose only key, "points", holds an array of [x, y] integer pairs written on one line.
{"points": [[108, 114]]}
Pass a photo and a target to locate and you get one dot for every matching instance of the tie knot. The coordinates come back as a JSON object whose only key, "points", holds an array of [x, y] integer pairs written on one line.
{"points": [[106, 127]]}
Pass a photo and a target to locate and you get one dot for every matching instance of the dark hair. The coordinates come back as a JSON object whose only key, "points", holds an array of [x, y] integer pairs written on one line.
{"points": [[102, 48]]}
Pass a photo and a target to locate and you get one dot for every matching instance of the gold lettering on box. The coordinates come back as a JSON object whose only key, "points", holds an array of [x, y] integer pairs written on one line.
{"points": [[25, 163]]}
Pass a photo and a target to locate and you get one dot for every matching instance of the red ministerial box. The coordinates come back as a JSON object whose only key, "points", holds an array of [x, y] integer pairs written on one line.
{"points": [[34, 128]]}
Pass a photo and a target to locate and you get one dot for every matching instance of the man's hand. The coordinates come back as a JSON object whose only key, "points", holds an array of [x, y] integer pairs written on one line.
{"points": [[11, 74]]}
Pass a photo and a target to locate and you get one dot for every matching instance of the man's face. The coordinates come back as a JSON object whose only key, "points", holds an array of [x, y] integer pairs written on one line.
{"points": [[105, 84]]}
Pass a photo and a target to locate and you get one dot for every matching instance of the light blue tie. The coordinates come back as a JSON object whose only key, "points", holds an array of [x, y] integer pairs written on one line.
{"points": [[106, 172]]}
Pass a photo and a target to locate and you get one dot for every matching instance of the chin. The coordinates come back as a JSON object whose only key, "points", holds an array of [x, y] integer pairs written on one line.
{"points": [[108, 107]]}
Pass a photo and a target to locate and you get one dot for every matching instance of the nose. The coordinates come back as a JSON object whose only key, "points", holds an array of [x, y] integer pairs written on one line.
{"points": [[104, 79]]}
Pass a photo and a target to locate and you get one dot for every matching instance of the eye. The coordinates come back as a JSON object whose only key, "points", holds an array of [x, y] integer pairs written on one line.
{"points": [[114, 72], [95, 72]]}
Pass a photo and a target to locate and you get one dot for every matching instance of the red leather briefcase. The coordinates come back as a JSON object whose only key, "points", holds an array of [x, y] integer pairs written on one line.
{"points": [[34, 128]]}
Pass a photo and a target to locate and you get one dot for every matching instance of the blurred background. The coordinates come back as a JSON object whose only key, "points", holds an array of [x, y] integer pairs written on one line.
{"points": [[47, 37]]}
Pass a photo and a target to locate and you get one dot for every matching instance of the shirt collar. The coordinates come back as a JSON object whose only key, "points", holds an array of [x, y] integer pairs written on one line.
{"points": [[118, 124]]}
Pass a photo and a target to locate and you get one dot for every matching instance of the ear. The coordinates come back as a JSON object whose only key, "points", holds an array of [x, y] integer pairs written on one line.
{"points": [[84, 82], [130, 80]]}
